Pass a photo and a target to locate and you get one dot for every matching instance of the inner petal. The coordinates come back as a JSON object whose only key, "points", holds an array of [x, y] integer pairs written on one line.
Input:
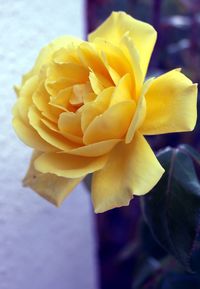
{"points": [[95, 108], [90, 58], [69, 70], [62, 99], [112, 124], [41, 101], [69, 124], [99, 82], [80, 92]]}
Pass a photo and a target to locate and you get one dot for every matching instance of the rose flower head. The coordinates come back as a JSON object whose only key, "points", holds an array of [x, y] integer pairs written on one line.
{"points": [[85, 108]]}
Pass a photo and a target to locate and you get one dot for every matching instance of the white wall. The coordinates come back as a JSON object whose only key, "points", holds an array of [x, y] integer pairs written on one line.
{"points": [[41, 247]]}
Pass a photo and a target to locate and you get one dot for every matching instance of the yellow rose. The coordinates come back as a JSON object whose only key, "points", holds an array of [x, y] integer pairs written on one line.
{"points": [[85, 106]]}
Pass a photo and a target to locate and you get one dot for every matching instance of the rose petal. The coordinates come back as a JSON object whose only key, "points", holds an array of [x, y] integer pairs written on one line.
{"points": [[130, 170], [129, 49], [98, 82], [25, 97], [142, 34], [69, 166], [50, 136], [45, 55], [96, 149], [97, 107], [49, 186], [112, 124], [123, 91], [30, 137], [139, 114], [71, 71], [113, 58], [70, 126], [91, 59], [41, 100], [171, 104]]}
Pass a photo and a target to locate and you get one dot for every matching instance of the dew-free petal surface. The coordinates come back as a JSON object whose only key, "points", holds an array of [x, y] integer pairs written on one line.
{"points": [[131, 169], [142, 34], [171, 104], [112, 124], [69, 166], [51, 187]]}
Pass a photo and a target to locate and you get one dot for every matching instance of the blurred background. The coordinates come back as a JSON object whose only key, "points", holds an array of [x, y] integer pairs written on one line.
{"points": [[127, 261]]}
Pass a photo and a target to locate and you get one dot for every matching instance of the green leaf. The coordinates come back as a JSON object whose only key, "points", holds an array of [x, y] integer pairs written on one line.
{"points": [[172, 208]]}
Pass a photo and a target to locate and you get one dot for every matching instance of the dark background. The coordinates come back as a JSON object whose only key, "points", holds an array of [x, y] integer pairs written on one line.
{"points": [[123, 238]]}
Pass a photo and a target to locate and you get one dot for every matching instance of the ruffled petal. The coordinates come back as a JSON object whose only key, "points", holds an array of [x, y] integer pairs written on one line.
{"points": [[45, 55], [48, 135], [30, 137], [171, 104], [142, 34], [112, 124], [131, 170]]}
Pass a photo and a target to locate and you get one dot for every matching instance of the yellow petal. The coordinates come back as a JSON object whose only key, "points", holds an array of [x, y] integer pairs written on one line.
{"points": [[113, 58], [112, 124], [25, 97], [97, 107], [98, 82], [48, 135], [96, 149], [70, 71], [70, 123], [113, 73], [122, 91], [61, 100], [142, 34], [129, 49], [69, 166], [89, 97], [53, 87], [171, 104], [41, 100], [49, 186], [45, 55], [80, 92], [67, 54], [130, 170], [51, 125], [30, 137], [90, 58], [139, 114]]}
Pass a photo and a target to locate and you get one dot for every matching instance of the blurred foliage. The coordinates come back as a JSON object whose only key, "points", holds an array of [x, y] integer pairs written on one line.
{"points": [[129, 256], [172, 208]]}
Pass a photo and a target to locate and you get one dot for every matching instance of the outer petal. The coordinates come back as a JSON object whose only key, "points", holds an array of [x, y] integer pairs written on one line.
{"points": [[142, 34], [49, 186], [69, 166], [46, 53], [30, 137], [171, 103], [131, 170], [51, 137], [25, 97]]}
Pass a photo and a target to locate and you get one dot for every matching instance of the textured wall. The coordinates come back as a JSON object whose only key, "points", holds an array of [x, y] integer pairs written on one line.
{"points": [[41, 247]]}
